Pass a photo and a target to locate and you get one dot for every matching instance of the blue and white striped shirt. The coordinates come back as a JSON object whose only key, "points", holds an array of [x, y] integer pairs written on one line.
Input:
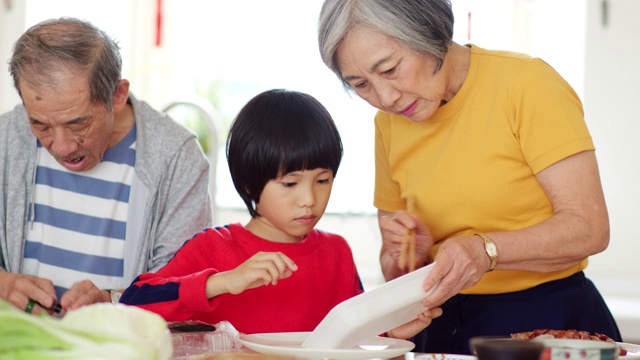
{"points": [[80, 221]]}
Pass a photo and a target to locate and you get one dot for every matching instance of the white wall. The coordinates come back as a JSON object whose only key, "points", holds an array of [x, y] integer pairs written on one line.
{"points": [[612, 95], [116, 19], [553, 30], [12, 24]]}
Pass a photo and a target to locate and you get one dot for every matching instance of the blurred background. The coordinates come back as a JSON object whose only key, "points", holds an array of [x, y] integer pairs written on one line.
{"points": [[201, 61]]}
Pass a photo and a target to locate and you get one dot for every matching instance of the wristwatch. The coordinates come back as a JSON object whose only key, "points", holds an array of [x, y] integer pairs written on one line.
{"points": [[115, 295], [491, 249]]}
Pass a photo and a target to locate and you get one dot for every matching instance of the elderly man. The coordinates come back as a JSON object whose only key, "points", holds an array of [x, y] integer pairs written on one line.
{"points": [[97, 187]]}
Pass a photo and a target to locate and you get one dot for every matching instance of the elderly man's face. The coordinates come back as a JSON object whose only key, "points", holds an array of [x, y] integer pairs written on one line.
{"points": [[74, 130]]}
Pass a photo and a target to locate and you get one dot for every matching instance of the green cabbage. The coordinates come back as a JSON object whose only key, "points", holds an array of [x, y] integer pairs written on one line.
{"points": [[98, 331]]}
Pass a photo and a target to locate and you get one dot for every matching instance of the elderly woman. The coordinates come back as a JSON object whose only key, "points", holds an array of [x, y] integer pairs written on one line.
{"points": [[493, 150]]}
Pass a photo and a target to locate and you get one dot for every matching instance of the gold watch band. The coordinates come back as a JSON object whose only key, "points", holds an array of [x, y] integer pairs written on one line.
{"points": [[491, 250]]}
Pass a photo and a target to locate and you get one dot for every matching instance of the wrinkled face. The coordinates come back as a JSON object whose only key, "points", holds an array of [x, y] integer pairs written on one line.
{"points": [[291, 205], [389, 75], [74, 130]]}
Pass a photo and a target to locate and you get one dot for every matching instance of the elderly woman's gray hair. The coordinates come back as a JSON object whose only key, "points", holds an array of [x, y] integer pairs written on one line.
{"points": [[68, 44], [425, 26]]}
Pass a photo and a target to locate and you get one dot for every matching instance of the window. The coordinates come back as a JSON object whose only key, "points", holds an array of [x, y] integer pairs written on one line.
{"points": [[229, 51]]}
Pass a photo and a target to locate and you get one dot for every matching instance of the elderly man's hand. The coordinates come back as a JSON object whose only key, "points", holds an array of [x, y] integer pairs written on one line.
{"points": [[83, 293], [19, 289]]}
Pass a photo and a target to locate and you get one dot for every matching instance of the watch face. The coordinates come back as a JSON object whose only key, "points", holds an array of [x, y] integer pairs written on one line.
{"points": [[115, 296], [491, 249]]}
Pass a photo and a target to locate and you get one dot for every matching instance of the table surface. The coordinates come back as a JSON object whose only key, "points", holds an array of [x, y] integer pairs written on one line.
{"points": [[246, 354]]}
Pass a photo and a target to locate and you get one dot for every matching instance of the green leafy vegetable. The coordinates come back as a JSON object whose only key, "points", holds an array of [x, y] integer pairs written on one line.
{"points": [[99, 331]]}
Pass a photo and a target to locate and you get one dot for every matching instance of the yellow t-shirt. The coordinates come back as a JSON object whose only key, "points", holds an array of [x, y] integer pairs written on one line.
{"points": [[471, 167]]}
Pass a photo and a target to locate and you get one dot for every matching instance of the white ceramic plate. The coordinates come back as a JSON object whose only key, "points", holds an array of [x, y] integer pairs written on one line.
{"points": [[289, 344], [444, 357], [371, 313], [633, 350]]}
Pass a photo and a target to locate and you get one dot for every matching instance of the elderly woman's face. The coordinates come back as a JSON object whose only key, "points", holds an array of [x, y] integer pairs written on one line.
{"points": [[390, 76]]}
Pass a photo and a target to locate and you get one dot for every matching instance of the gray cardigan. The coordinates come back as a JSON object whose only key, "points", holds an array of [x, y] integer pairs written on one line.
{"points": [[169, 200]]}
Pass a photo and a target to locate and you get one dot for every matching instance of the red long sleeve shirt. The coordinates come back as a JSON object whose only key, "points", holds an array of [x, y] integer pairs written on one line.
{"points": [[326, 276]]}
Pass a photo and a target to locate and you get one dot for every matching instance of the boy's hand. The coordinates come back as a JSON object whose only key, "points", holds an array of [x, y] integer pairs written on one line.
{"points": [[263, 268]]}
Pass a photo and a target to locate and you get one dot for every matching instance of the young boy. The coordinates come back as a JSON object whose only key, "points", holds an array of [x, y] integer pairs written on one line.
{"points": [[277, 273]]}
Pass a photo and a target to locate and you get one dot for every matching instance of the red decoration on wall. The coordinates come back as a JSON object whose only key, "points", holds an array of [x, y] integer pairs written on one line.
{"points": [[159, 23], [469, 26]]}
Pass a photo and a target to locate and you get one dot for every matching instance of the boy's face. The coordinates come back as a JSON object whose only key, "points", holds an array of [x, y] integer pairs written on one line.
{"points": [[291, 205]]}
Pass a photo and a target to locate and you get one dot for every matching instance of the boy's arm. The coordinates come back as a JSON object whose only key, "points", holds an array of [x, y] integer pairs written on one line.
{"points": [[263, 268], [174, 298]]}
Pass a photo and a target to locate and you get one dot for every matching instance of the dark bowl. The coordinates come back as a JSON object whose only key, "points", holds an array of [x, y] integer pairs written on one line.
{"points": [[502, 348]]}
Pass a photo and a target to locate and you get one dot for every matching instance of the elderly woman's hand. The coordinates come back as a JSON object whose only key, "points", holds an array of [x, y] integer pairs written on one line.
{"points": [[393, 227], [459, 264], [413, 327]]}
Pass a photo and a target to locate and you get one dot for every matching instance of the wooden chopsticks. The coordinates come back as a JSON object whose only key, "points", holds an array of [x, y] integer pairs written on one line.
{"points": [[408, 242]]}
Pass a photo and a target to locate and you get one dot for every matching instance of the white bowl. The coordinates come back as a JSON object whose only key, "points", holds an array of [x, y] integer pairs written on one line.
{"points": [[568, 349]]}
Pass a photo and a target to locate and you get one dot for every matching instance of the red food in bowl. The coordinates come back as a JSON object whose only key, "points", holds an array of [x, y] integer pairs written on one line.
{"points": [[566, 334]]}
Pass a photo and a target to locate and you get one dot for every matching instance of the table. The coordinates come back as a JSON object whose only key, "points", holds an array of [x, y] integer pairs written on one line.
{"points": [[246, 354]]}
